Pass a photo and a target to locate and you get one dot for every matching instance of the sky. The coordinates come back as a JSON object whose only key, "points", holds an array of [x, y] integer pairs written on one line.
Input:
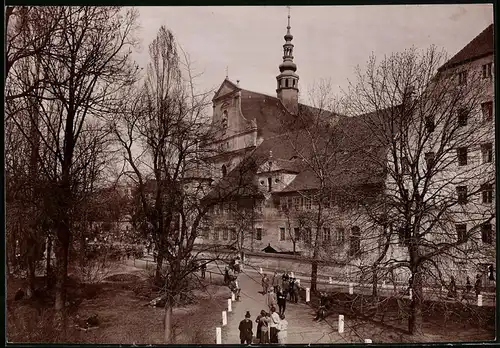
{"points": [[330, 41]]}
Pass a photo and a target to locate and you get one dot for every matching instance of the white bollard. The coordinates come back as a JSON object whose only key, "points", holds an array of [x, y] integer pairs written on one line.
{"points": [[351, 288], [410, 294], [224, 318], [292, 275], [233, 296], [308, 294], [480, 300], [218, 335], [330, 280], [260, 270], [229, 305], [341, 323], [367, 340]]}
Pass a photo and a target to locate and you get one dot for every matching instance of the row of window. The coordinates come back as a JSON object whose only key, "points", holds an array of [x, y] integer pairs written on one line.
{"points": [[287, 203], [462, 157], [486, 233], [487, 73], [486, 194], [463, 115]]}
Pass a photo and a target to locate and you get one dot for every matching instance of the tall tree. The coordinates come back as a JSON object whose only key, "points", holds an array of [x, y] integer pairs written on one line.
{"points": [[432, 128]]}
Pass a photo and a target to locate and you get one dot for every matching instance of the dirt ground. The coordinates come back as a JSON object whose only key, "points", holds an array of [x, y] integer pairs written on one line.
{"points": [[442, 322], [120, 303]]}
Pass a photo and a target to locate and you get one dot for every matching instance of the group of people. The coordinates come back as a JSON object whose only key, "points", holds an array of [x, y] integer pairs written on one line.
{"points": [[231, 276], [288, 288], [478, 286], [272, 327]]}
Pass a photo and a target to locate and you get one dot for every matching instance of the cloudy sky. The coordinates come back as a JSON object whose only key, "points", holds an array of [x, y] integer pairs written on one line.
{"points": [[329, 40]]}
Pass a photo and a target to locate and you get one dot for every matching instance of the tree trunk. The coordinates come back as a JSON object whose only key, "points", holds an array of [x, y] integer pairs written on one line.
{"points": [[375, 285], [314, 275], [62, 253], [168, 334], [158, 272], [48, 267], [415, 320], [31, 263]]}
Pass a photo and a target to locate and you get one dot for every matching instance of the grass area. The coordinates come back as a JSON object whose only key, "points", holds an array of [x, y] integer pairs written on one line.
{"points": [[120, 302]]}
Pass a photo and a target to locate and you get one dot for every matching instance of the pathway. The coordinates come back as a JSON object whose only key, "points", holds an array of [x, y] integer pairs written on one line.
{"points": [[301, 327]]}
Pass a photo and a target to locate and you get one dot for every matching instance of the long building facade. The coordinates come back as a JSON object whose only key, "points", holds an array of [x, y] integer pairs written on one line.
{"points": [[293, 206]]}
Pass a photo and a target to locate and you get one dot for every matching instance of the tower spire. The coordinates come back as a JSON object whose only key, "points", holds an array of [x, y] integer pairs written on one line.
{"points": [[287, 79]]}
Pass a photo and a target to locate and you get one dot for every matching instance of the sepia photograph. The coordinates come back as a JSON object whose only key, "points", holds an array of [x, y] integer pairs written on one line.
{"points": [[250, 174]]}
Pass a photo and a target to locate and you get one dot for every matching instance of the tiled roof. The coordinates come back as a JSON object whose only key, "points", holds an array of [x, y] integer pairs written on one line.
{"points": [[270, 114], [480, 46]]}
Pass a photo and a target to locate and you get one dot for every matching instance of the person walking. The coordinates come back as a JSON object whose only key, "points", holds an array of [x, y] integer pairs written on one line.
{"points": [[265, 322], [265, 284], [281, 299], [468, 286], [259, 324], [452, 292], [282, 330], [246, 333], [478, 284], [271, 299], [273, 326], [203, 269]]}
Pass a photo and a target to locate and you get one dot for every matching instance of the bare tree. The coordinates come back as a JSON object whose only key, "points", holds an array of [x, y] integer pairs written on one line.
{"points": [[87, 64], [428, 123]]}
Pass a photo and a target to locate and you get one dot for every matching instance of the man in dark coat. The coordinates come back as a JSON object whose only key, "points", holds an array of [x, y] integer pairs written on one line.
{"points": [[246, 326], [281, 299]]}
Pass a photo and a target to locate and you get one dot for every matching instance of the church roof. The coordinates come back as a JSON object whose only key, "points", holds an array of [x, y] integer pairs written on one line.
{"points": [[480, 46]]}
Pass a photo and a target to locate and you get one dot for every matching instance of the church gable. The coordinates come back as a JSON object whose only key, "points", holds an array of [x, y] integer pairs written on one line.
{"points": [[226, 88]]}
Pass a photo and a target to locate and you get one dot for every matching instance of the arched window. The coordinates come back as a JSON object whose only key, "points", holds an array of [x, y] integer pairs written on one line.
{"points": [[224, 119], [286, 82], [355, 241], [269, 184], [224, 170]]}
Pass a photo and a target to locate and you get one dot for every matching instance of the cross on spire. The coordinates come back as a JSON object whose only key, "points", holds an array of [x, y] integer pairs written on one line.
{"points": [[227, 71]]}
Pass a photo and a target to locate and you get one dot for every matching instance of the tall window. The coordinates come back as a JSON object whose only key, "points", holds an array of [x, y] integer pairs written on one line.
{"points": [[297, 202], [355, 241], [284, 203], [282, 233], [429, 159], [486, 233], [340, 235], [224, 120], [224, 170], [225, 234], [308, 204], [462, 156], [206, 233], [430, 124], [461, 232], [462, 117], [487, 152], [487, 70], [216, 234], [462, 78], [461, 194], [326, 234], [269, 184], [405, 166], [487, 110], [487, 193], [258, 233], [296, 232], [234, 235]]}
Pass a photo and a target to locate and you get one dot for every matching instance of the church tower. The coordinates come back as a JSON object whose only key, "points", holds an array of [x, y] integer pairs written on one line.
{"points": [[288, 80]]}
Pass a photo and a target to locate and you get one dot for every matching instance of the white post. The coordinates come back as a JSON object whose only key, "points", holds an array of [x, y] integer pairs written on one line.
{"points": [[351, 288], [218, 335], [341, 323], [330, 280], [260, 270], [292, 275], [367, 340], [410, 293], [480, 300], [229, 305], [308, 294], [233, 297], [224, 318]]}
